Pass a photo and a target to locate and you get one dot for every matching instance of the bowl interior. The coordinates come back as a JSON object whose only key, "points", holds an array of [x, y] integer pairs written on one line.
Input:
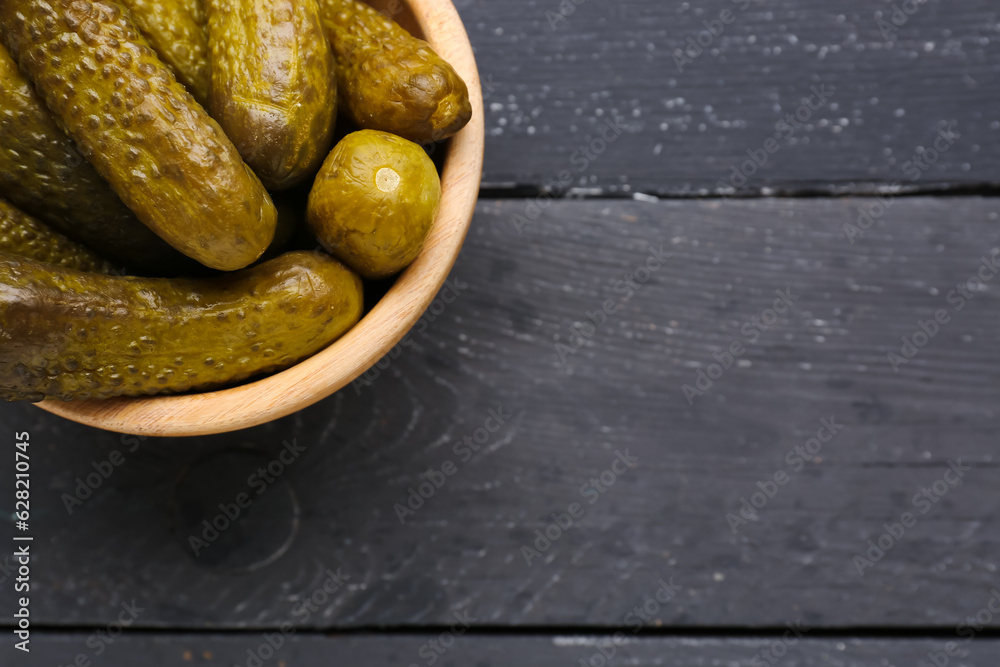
{"points": [[381, 328]]}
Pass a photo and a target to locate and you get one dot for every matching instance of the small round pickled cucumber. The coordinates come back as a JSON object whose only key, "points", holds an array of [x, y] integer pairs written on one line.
{"points": [[374, 201]]}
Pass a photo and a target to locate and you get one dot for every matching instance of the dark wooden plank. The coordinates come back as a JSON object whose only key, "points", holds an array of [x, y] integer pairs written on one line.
{"points": [[495, 346], [550, 91], [212, 650]]}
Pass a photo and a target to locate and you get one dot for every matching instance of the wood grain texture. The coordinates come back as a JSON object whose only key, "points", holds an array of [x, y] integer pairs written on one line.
{"points": [[550, 91], [494, 348], [380, 329], [214, 650]]}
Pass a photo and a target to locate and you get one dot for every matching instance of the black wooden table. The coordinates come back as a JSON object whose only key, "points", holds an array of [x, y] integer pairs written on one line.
{"points": [[719, 386]]}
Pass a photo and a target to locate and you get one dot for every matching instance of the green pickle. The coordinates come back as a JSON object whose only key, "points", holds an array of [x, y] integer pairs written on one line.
{"points": [[374, 201], [274, 90], [43, 174], [70, 335], [389, 80], [22, 235], [140, 128], [176, 29]]}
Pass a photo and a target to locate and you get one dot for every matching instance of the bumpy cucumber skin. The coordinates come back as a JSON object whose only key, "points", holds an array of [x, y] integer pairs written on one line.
{"points": [[374, 201], [22, 235], [143, 132], [42, 173], [389, 80], [177, 31], [70, 335], [274, 90]]}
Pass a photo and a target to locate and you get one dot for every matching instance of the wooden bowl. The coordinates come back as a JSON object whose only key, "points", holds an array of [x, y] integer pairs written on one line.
{"points": [[317, 377]]}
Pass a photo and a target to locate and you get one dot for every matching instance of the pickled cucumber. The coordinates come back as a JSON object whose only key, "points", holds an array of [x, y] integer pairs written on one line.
{"points": [[274, 91], [177, 31], [374, 201], [43, 174], [22, 235], [389, 80], [142, 131], [68, 335]]}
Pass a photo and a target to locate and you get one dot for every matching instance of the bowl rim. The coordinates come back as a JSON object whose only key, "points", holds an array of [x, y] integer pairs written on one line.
{"points": [[385, 325]]}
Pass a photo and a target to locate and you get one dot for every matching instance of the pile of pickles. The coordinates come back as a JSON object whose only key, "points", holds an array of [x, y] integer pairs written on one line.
{"points": [[176, 210]]}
